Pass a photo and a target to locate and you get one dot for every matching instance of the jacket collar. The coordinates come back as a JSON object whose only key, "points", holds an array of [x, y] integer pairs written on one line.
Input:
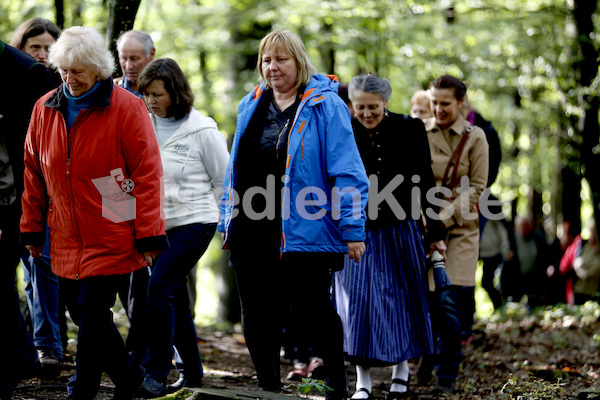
{"points": [[58, 100], [437, 138]]}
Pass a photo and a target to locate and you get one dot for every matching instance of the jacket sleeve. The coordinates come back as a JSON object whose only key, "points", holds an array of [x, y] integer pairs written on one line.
{"points": [[142, 159], [215, 158], [346, 171], [435, 229], [34, 200]]}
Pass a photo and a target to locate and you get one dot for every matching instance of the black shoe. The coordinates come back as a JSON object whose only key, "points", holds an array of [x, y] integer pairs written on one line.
{"points": [[182, 382], [126, 390], [48, 363], [152, 388], [444, 386]]}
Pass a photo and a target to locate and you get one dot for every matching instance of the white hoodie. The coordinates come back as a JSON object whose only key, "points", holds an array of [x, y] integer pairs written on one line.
{"points": [[194, 162]]}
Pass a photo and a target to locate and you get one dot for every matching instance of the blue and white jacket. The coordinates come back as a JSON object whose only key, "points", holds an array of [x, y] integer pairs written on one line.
{"points": [[322, 161]]}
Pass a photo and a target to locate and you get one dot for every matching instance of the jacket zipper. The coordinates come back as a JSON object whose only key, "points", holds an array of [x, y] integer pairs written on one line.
{"points": [[70, 136], [300, 107]]}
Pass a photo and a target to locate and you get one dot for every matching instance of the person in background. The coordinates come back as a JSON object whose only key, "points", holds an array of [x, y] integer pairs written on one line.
{"points": [[524, 271], [28, 81], [383, 299], [100, 196], [494, 246], [495, 157], [459, 154], [34, 37], [293, 140], [136, 50], [587, 269], [419, 105], [194, 158]]}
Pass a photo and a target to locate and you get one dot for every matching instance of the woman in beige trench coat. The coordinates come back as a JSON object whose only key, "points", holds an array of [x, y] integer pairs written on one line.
{"points": [[459, 154]]}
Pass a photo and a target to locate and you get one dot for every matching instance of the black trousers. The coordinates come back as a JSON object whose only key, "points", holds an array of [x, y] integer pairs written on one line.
{"points": [[267, 283], [100, 347], [19, 353]]}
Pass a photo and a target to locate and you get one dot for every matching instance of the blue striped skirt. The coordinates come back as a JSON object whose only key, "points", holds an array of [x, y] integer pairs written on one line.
{"points": [[383, 299]]}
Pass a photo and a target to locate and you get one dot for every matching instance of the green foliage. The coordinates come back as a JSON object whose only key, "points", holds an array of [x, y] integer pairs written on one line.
{"points": [[533, 388], [309, 385]]}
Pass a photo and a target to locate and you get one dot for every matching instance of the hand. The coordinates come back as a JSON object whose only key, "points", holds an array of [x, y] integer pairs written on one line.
{"points": [[35, 251], [149, 256], [356, 250], [222, 236], [439, 246]]}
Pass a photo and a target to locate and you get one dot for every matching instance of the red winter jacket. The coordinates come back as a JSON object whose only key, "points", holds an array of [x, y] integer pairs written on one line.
{"points": [[79, 183]]}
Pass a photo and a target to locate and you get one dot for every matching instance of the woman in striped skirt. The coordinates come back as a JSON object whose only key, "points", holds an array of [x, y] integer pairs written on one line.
{"points": [[383, 299]]}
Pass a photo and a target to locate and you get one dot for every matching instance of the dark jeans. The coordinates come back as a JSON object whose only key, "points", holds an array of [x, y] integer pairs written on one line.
{"points": [[445, 309], [267, 284], [133, 292], [169, 318], [490, 265], [19, 354], [100, 347]]}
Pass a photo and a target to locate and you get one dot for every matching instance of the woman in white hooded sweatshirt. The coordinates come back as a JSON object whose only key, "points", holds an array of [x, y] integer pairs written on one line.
{"points": [[194, 157]]}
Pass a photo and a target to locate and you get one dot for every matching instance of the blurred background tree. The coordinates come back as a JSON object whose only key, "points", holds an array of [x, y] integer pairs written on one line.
{"points": [[531, 68]]}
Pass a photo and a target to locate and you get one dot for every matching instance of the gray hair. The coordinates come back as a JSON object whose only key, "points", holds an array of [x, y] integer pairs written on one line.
{"points": [[141, 37], [84, 45], [370, 84]]}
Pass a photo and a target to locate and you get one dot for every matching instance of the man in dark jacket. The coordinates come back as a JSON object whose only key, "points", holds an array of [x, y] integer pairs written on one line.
{"points": [[25, 81]]}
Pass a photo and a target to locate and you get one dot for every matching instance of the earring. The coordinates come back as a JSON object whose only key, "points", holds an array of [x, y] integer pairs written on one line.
{"points": [[386, 112]]}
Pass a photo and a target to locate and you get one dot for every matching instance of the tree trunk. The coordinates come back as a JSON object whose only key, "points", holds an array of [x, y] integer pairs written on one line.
{"points": [[60, 13], [121, 18], [583, 13]]}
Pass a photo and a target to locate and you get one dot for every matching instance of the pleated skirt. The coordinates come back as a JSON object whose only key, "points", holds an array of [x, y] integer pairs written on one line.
{"points": [[383, 299]]}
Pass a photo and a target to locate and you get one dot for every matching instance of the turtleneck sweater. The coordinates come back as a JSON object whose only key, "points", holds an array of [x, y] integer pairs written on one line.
{"points": [[76, 104], [166, 127]]}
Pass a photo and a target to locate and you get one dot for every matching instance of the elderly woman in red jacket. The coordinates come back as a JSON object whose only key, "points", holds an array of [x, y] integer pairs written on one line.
{"points": [[93, 174]]}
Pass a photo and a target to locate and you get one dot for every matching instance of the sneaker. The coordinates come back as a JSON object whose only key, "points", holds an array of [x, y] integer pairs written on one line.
{"points": [[152, 388]]}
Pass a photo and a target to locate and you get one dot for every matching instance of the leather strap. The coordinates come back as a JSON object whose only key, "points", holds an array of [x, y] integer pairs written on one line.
{"points": [[454, 159]]}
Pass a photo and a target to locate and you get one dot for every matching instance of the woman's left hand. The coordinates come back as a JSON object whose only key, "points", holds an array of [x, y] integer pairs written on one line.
{"points": [[439, 246], [356, 250], [149, 256]]}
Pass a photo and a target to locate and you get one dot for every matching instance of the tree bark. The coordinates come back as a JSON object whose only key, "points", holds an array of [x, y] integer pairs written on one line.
{"points": [[583, 13], [121, 18], [59, 5]]}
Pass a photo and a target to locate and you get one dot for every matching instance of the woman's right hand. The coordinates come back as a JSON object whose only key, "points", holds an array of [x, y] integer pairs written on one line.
{"points": [[439, 246], [35, 251]]}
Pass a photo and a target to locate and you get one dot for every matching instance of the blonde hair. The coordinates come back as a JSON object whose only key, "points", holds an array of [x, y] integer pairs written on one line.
{"points": [[420, 96], [290, 43], [84, 45]]}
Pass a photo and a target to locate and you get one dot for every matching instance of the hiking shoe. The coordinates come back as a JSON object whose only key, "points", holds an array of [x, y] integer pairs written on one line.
{"points": [[49, 366]]}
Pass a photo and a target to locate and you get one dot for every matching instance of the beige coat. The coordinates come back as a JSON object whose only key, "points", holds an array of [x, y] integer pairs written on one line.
{"points": [[460, 216]]}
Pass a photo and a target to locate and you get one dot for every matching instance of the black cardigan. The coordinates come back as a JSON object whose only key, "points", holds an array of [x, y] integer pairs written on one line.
{"points": [[398, 146]]}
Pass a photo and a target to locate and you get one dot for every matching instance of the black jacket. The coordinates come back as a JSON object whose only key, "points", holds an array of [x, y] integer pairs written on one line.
{"points": [[25, 81]]}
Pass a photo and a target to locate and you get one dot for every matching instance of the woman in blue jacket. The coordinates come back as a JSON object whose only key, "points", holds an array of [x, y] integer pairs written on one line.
{"points": [[294, 199]]}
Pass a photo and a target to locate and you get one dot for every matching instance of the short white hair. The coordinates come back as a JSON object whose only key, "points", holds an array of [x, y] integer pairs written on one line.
{"points": [[84, 45]]}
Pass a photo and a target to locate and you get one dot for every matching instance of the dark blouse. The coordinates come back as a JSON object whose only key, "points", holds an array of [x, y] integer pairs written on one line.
{"points": [[398, 149], [261, 153]]}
